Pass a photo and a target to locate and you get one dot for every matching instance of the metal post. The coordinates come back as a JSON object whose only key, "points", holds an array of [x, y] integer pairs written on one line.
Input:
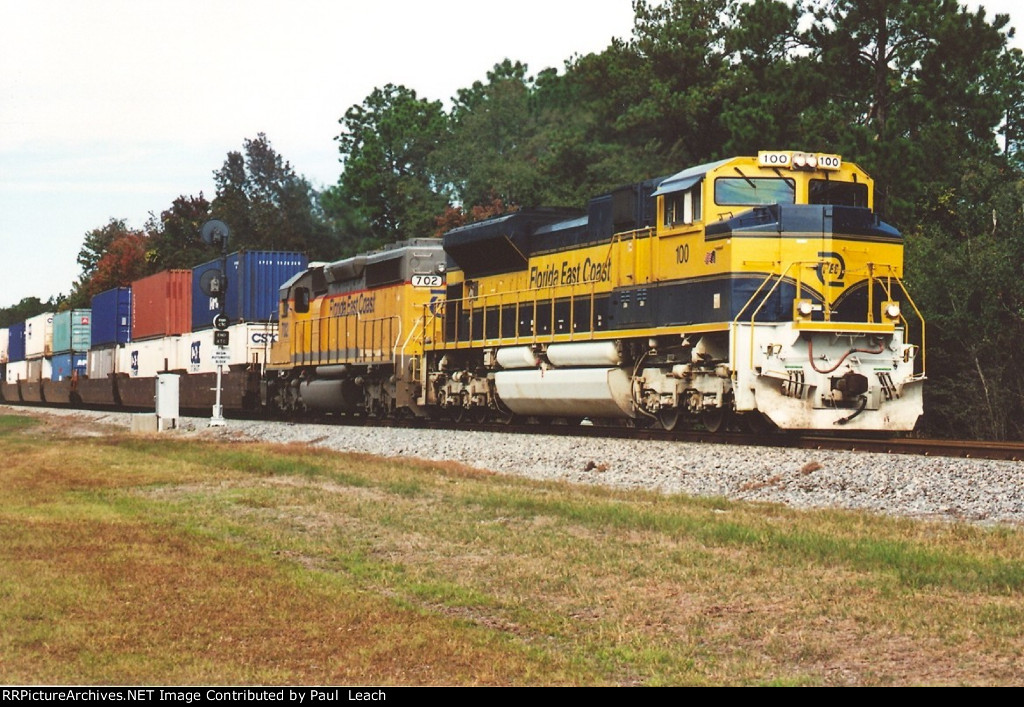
{"points": [[218, 410], [215, 232]]}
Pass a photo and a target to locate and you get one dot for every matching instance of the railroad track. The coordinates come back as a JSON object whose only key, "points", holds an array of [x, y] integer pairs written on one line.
{"points": [[963, 449], [918, 446]]}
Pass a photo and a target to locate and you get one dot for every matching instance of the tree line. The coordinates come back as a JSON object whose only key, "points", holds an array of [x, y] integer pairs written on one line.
{"points": [[926, 95]]}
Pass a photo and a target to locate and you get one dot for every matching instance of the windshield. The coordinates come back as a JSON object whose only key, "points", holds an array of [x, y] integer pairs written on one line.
{"points": [[754, 191], [825, 191]]}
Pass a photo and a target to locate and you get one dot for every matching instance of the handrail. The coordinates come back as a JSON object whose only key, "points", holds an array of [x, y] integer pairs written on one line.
{"points": [[884, 280], [542, 305]]}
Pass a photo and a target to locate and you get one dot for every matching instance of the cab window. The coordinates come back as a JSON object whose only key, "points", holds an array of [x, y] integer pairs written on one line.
{"points": [[301, 300], [682, 207], [754, 191], [826, 191]]}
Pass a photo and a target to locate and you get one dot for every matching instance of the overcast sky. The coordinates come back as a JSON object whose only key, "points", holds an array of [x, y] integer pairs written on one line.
{"points": [[113, 108]]}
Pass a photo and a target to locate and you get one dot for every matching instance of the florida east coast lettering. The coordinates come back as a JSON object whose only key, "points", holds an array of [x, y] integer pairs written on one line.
{"points": [[352, 306], [567, 273]]}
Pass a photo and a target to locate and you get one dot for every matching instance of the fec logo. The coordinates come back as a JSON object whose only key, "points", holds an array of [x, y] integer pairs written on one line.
{"points": [[831, 268]]}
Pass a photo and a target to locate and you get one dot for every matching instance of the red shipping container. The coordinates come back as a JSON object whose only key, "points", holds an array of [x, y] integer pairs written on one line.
{"points": [[162, 304]]}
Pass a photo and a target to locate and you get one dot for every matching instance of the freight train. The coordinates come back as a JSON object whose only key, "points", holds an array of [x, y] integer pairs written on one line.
{"points": [[762, 290]]}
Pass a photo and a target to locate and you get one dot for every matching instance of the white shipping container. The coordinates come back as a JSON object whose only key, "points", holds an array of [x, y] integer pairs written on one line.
{"points": [[39, 368], [102, 362], [248, 343], [5, 337], [39, 335], [144, 359], [17, 370]]}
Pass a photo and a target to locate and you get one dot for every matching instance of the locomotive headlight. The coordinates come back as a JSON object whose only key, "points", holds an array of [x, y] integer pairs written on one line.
{"points": [[892, 310], [440, 268], [804, 308], [804, 160]]}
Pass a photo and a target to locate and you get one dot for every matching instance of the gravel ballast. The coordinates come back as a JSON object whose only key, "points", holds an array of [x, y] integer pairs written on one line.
{"points": [[965, 490]]}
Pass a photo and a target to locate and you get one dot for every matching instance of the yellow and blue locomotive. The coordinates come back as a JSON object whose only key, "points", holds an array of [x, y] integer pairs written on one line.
{"points": [[351, 332], [752, 287]]}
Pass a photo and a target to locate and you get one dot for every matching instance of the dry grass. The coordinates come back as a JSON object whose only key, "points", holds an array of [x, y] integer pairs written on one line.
{"points": [[146, 560]]}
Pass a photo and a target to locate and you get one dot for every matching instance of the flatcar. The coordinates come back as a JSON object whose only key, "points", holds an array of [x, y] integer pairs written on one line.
{"points": [[760, 288]]}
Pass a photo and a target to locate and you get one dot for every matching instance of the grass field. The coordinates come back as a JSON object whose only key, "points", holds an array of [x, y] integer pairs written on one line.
{"points": [[163, 560]]}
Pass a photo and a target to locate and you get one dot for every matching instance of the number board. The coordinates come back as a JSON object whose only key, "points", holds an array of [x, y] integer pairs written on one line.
{"points": [[427, 281]]}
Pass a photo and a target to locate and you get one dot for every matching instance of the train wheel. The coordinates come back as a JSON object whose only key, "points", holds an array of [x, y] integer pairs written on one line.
{"points": [[669, 418], [459, 413], [714, 419], [640, 422], [757, 423], [506, 417]]}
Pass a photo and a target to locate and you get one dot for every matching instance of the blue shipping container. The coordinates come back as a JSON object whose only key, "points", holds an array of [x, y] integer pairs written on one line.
{"points": [[112, 317], [66, 364], [16, 342], [254, 278], [72, 330]]}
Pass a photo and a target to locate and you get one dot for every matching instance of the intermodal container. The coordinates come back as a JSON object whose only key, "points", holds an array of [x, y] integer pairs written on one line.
{"points": [[39, 368], [146, 358], [103, 361], [253, 280], [5, 337], [248, 344], [39, 336], [16, 370], [72, 331], [64, 365], [16, 343], [112, 317], [162, 305]]}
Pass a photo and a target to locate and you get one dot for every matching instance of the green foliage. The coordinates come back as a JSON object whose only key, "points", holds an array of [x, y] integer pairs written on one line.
{"points": [[174, 236], [97, 242], [388, 183], [266, 204], [965, 269], [27, 307], [492, 151], [111, 256], [911, 85]]}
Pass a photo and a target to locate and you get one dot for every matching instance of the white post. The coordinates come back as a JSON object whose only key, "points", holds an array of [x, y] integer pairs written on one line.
{"points": [[218, 411]]}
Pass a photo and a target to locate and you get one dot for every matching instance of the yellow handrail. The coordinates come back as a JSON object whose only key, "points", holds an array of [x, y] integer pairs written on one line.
{"points": [[779, 277]]}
